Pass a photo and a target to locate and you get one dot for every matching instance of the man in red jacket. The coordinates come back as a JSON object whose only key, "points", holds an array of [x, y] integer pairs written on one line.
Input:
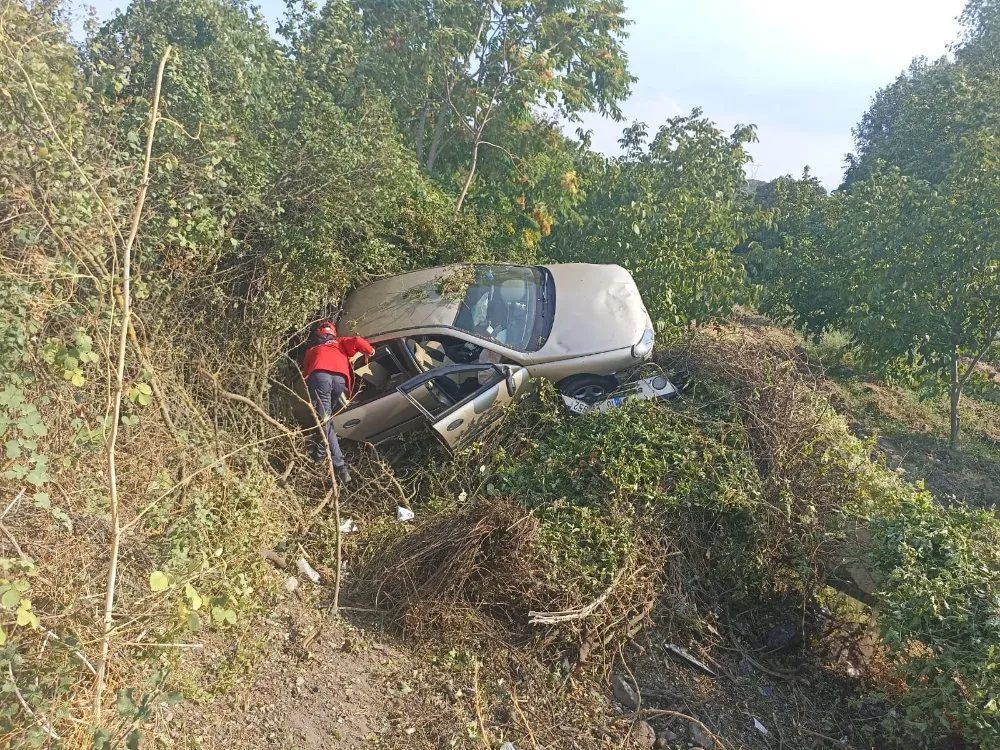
{"points": [[327, 372]]}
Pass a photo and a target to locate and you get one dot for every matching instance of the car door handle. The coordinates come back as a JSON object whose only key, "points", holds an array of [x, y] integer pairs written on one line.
{"points": [[455, 425], [351, 423]]}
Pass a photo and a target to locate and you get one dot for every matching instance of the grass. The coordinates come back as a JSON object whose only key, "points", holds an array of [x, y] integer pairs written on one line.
{"points": [[912, 426], [913, 434]]}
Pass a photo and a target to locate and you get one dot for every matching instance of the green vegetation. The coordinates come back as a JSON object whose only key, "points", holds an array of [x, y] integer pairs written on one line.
{"points": [[904, 258], [184, 192]]}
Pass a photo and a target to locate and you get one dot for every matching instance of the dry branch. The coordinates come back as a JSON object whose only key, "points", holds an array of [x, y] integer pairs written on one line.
{"points": [[580, 613], [717, 741], [109, 600], [259, 410]]}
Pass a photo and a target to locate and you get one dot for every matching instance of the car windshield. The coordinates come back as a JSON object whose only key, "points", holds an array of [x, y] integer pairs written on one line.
{"points": [[507, 304]]}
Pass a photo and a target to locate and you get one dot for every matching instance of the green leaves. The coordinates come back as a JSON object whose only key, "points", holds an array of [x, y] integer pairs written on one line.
{"points": [[12, 600], [10, 597], [25, 617], [672, 211], [223, 615], [141, 394], [158, 581], [71, 361], [126, 702], [193, 597]]}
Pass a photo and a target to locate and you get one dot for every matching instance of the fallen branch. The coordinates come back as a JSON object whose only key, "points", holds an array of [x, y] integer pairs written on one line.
{"points": [[524, 720], [316, 511], [569, 615], [484, 735], [13, 541], [818, 736], [15, 501], [230, 396], [109, 600], [76, 652], [716, 740]]}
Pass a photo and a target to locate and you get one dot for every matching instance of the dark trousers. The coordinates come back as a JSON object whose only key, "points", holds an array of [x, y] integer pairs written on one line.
{"points": [[325, 390]]}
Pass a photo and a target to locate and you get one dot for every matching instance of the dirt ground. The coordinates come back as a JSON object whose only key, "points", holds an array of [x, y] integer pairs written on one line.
{"points": [[318, 682]]}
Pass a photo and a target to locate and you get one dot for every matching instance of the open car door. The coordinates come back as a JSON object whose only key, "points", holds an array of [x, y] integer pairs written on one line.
{"points": [[458, 417]]}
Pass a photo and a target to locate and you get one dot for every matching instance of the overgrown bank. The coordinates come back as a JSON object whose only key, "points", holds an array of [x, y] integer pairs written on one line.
{"points": [[278, 178], [750, 490]]}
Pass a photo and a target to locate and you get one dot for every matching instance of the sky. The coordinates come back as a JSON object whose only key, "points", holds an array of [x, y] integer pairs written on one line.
{"points": [[802, 71]]}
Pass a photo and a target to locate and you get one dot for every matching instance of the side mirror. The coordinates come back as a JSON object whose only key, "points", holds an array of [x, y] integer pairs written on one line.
{"points": [[508, 374], [511, 385]]}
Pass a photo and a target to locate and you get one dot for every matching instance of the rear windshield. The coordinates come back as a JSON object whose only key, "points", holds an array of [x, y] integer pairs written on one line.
{"points": [[509, 305]]}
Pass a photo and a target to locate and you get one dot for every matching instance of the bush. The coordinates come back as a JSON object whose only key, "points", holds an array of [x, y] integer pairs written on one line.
{"points": [[758, 490]]}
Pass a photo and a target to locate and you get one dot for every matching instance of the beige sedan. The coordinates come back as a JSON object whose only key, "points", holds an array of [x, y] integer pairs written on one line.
{"points": [[455, 344]]}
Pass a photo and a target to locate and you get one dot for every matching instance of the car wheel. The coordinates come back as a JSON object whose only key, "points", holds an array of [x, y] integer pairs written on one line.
{"points": [[590, 389]]}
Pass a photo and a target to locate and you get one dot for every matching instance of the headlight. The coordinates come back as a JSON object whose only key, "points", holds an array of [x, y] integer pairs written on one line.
{"points": [[645, 345]]}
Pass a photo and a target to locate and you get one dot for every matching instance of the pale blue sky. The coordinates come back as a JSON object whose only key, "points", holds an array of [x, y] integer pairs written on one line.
{"points": [[803, 71]]}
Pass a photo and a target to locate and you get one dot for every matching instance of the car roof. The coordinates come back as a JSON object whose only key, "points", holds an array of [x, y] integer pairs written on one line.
{"points": [[410, 300]]}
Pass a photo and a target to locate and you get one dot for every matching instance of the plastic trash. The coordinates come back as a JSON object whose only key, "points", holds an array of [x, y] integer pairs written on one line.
{"points": [[760, 727], [348, 526], [507, 746], [403, 514], [291, 584], [307, 570]]}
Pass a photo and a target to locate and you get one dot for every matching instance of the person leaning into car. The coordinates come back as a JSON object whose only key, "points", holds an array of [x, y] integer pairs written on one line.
{"points": [[327, 372]]}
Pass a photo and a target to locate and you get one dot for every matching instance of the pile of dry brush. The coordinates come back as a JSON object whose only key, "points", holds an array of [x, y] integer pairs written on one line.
{"points": [[483, 567]]}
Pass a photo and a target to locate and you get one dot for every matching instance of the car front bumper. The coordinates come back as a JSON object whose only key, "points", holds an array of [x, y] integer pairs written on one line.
{"points": [[647, 389]]}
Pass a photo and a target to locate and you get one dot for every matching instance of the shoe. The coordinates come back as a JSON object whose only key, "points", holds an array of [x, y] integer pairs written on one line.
{"points": [[343, 475]]}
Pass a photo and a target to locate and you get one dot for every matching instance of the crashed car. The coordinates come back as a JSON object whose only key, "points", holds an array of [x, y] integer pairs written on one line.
{"points": [[454, 344]]}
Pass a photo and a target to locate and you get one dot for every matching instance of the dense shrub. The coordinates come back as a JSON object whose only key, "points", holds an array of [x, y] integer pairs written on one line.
{"points": [[750, 488]]}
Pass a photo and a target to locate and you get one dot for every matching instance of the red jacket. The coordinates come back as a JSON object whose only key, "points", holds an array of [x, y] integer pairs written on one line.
{"points": [[335, 356]]}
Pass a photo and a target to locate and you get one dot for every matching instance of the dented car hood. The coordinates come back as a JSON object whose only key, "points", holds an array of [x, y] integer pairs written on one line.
{"points": [[598, 309]]}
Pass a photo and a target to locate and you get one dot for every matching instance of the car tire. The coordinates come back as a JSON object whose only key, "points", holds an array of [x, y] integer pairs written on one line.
{"points": [[590, 389]]}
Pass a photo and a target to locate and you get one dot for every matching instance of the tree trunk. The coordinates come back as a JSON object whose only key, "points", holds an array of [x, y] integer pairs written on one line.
{"points": [[421, 127], [436, 139], [955, 393], [468, 180]]}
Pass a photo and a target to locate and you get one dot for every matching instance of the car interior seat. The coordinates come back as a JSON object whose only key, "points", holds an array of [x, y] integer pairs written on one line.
{"points": [[371, 372], [513, 291], [421, 356], [430, 354]]}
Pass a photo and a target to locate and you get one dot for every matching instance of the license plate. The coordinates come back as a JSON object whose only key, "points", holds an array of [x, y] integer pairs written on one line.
{"points": [[646, 389]]}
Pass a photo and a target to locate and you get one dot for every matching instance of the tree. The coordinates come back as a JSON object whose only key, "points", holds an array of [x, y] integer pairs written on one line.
{"points": [[922, 267], [919, 121], [794, 257], [286, 191], [454, 67], [672, 211]]}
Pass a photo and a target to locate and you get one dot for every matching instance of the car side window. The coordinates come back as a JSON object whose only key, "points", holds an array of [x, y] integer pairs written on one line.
{"points": [[438, 395]]}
